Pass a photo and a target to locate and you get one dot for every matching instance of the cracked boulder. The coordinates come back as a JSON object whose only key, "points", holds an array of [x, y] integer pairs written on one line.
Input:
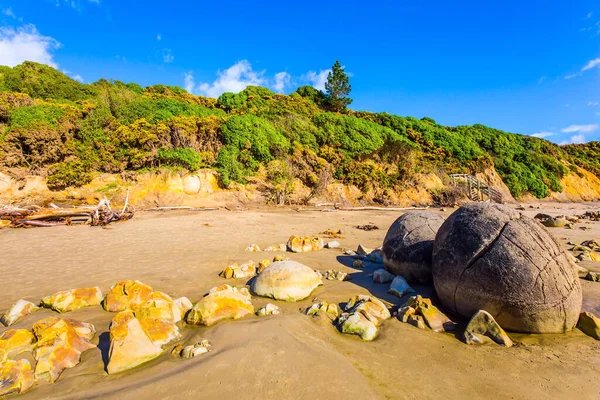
{"points": [[408, 245], [490, 257]]}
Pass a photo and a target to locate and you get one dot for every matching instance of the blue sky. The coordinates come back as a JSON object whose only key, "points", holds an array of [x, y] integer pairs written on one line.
{"points": [[530, 67]]}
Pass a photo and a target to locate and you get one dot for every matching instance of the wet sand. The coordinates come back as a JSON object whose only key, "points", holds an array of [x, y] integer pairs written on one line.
{"points": [[290, 355]]}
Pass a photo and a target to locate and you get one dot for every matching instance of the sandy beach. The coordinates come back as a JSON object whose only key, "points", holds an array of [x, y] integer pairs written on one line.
{"points": [[287, 356]]}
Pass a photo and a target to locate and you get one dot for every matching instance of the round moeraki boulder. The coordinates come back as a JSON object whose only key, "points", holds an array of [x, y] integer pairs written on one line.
{"points": [[490, 257], [286, 280], [408, 245]]}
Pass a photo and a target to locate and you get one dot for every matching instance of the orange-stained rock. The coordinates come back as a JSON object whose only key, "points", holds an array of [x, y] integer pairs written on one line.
{"points": [[237, 271], [18, 310], [262, 265], [130, 346], [184, 305], [15, 377], [60, 342], [15, 341], [126, 295], [434, 318], [69, 300], [222, 302], [303, 244], [159, 305]]}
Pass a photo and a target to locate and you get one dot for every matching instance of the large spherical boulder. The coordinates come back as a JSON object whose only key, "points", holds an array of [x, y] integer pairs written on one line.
{"points": [[286, 280], [490, 257], [408, 245]]}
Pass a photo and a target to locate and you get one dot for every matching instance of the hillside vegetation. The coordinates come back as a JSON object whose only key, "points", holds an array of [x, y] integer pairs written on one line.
{"points": [[54, 126]]}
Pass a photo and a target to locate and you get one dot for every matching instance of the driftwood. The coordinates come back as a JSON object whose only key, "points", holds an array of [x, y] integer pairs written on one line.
{"points": [[380, 208], [100, 215], [183, 208]]}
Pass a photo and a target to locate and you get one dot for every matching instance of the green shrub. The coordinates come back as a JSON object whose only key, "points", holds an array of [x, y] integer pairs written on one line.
{"points": [[35, 116], [66, 174], [185, 158]]}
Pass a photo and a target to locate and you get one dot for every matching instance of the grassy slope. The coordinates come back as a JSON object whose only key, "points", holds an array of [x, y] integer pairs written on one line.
{"points": [[54, 125]]}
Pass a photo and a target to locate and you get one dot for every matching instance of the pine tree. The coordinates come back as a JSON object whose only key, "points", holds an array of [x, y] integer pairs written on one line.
{"points": [[338, 88]]}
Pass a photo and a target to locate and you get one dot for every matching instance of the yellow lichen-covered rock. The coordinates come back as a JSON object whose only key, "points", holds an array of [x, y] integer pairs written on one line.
{"points": [[160, 331], [589, 324], [376, 310], [304, 244], [60, 342], [280, 258], [358, 324], [276, 247], [253, 248], [483, 328], [262, 265], [184, 304], [237, 271], [15, 377], [69, 300], [18, 310], [434, 318], [222, 302], [159, 305], [363, 316], [286, 280], [126, 295], [130, 345], [14, 342]]}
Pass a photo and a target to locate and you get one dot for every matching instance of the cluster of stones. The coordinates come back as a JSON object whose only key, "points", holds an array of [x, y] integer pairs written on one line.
{"points": [[295, 244], [419, 312], [332, 275], [192, 350], [560, 221], [249, 269]]}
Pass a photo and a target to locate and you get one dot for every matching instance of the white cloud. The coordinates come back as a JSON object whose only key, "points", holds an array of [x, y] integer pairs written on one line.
{"points": [[593, 103], [576, 139], [9, 12], [591, 64], [188, 82], [317, 80], [234, 79], [542, 135], [159, 37], [26, 44], [580, 128], [282, 79], [571, 76], [542, 79], [167, 55], [78, 78]]}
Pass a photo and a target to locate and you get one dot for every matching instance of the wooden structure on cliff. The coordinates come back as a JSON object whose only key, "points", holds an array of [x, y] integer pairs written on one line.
{"points": [[477, 190]]}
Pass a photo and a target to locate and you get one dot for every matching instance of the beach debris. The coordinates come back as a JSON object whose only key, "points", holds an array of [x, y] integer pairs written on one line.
{"points": [[304, 244], [333, 244], [262, 265], [482, 244], [130, 345], [332, 275], [237, 271], [126, 295], [362, 316], [359, 264], [399, 287], [552, 222], [589, 324], [15, 377], [286, 280], [281, 257], [100, 215], [269, 309], [59, 344], [14, 342], [408, 245], [433, 317], [330, 309], [221, 302], [253, 248], [276, 247], [593, 276], [195, 350], [483, 328], [331, 234], [74, 299], [382, 276], [368, 227], [18, 310]]}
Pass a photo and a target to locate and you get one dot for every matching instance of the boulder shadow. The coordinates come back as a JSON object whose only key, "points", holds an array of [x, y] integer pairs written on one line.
{"points": [[104, 347]]}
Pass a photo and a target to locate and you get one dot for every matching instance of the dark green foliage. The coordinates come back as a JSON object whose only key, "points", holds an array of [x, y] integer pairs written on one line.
{"points": [[256, 135], [67, 174], [35, 116], [44, 82], [314, 95], [160, 110], [185, 158], [338, 88]]}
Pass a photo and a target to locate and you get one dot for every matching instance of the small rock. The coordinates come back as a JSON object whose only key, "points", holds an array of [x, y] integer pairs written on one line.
{"points": [[330, 309], [269, 309], [368, 227], [589, 324], [333, 244], [404, 313], [416, 321], [237, 271], [222, 302], [482, 328], [69, 300], [18, 310], [593, 276], [280, 257], [15, 377], [277, 247], [253, 248], [358, 324], [433, 317], [304, 244], [382, 276], [262, 265], [332, 275], [351, 253], [196, 349], [359, 264], [177, 350], [375, 257], [400, 287], [184, 304], [362, 250], [286, 280]]}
